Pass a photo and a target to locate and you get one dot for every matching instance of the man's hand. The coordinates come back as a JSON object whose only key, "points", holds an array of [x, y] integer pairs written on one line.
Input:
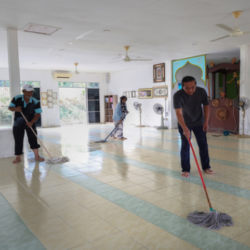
{"points": [[127, 112], [187, 133], [29, 124], [205, 126], [18, 109]]}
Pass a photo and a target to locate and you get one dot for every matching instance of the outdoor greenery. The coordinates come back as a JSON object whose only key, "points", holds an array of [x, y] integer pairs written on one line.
{"points": [[5, 114], [72, 106]]}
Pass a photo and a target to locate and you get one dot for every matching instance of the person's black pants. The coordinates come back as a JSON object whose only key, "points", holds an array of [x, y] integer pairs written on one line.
{"points": [[201, 139], [18, 132]]}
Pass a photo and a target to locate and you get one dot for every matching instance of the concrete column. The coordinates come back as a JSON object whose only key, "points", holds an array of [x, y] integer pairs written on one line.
{"points": [[245, 84], [172, 120], [13, 56]]}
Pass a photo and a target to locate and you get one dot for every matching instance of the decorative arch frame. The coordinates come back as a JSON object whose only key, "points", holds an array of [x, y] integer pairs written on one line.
{"points": [[198, 61]]}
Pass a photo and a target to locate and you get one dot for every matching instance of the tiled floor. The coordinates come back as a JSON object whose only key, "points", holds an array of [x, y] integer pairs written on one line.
{"points": [[122, 195]]}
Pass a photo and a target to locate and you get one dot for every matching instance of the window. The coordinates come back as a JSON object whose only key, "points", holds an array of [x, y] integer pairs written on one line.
{"points": [[5, 114], [93, 106], [93, 85], [35, 84], [79, 101]]}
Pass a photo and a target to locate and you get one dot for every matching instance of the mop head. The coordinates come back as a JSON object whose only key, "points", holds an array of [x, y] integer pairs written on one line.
{"points": [[55, 160], [212, 220], [100, 141]]}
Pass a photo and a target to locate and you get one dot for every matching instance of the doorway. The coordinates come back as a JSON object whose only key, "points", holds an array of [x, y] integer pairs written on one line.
{"points": [[36, 95]]}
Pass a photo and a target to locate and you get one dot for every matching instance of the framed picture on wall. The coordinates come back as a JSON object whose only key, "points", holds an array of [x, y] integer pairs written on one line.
{"points": [[128, 94], [50, 99], [50, 105], [145, 93], [50, 92], [133, 94], [44, 95], [159, 72], [54, 95], [44, 102], [44, 98], [160, 91]]}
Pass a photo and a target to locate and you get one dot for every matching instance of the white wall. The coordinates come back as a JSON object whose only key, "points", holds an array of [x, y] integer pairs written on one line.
{"points": [[135, 79], [245, 85], [51, 117]]}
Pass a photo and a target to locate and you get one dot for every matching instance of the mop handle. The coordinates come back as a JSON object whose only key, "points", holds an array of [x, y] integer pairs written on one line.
{"points": [[203, 182], [35, 134], [115, 128]]}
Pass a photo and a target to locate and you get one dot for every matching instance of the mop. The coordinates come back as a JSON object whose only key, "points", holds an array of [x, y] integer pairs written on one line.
{"points": [[52, 160], [105, 140], [212, 220]]}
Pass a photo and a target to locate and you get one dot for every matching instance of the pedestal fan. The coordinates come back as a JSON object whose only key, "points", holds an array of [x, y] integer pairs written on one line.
{"points": [[242, 104], [159, 110], [137, 106]]}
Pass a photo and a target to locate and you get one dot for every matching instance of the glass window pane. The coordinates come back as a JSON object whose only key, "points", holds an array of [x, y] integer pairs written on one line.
{"points": [[65, 84], [2, 83], [78, 85], [94, 117], [5, 114], [72, 106], [35, 84], [23, 83], [93, 85], [7, 83], [93, 94], [93, 106]]}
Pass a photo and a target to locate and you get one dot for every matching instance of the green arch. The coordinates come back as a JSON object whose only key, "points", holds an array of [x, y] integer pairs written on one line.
{"points": [[198, 61]]}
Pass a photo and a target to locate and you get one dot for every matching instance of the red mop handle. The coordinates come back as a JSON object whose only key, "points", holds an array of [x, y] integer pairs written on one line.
{"points": [[203, 182]]}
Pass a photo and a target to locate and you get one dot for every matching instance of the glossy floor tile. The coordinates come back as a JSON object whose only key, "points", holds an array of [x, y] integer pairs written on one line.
{"points": [[122, 195]]}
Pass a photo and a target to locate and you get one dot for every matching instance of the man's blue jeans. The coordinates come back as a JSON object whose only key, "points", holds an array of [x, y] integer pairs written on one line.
{"points": [[201, 139]]}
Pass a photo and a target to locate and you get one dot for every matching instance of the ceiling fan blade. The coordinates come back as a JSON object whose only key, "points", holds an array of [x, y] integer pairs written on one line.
{"points": [[84, 34], [246, 32], [219, 38], [141, 60], [224, 27], [120, 56], [117, 61]]}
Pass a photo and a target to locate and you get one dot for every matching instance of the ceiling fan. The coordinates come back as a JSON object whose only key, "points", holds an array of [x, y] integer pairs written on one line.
{"points": [[234, 32], [126, 58], [76, 71]]}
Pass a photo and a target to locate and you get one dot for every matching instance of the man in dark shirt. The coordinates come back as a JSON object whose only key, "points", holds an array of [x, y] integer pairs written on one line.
{"points": [[31, 109], [187, 105]]}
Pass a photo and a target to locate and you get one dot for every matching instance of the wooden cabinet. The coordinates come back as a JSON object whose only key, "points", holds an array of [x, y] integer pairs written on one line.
{"points": [[110, 102]]}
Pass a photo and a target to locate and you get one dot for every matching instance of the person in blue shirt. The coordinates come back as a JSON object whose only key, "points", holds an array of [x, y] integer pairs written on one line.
{"points": [[118, 117], [31, 109]]}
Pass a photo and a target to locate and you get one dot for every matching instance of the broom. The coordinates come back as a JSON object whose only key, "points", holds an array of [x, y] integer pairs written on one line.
{"points": [[105, 140], [52, 160], [212, 220]]}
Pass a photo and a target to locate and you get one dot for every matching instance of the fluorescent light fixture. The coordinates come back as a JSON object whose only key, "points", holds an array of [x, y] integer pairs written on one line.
{"points": [[40, 29]]}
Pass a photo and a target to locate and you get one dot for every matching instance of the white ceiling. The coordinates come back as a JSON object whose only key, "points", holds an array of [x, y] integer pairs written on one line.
{"points": [[158, 29]]}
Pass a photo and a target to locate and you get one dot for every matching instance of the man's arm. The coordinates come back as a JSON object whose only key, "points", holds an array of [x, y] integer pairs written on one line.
{"points": [[18, 109], [206, 110], [36, 117], [181, 121]]}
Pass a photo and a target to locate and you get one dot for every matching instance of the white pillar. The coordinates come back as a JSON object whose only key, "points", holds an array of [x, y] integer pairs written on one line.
{"points": [[245, 84], [172, 120], [13, 55]]}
